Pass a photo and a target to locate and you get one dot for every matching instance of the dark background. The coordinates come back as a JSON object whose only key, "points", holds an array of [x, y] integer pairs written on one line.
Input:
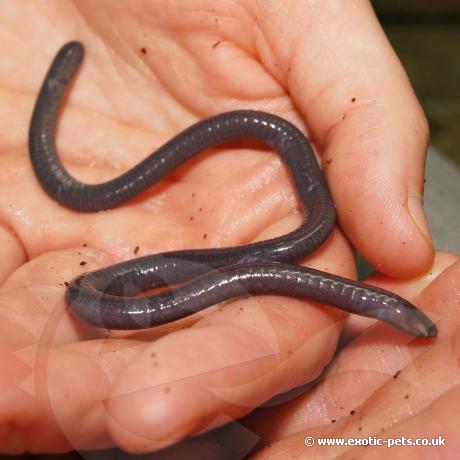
{"points": [[426, 36]]}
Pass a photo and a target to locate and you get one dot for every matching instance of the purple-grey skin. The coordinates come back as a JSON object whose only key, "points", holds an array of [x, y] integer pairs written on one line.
{"points": [[110, 298]]}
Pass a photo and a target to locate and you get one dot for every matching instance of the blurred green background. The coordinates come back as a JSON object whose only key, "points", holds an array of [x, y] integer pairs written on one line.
{"points": [[426, 36]]}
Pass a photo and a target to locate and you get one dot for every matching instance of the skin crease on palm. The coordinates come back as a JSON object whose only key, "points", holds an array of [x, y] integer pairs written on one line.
{"points": [[153, 68]]}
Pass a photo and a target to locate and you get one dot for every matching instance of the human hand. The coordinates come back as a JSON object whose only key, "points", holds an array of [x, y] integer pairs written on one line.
{"points": [[151, 70], [381, 386]]}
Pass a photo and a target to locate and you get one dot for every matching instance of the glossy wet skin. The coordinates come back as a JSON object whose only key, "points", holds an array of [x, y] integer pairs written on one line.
{"points": [[105, 297]]}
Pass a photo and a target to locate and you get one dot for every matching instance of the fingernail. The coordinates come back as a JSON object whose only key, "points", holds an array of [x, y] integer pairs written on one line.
{"points": [[415, 204]]}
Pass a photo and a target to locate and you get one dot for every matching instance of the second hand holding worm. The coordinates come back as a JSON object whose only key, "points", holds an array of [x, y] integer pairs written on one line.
{"points": [[106, 297]]}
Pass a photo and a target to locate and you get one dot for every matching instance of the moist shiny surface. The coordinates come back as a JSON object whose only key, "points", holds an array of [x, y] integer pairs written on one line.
{"points": [[111, 297]]}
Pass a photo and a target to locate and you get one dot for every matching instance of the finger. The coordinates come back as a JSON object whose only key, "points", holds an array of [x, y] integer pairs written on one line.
{"points": [[230, 362], [51, 398], [367, 363], [408, 289], [423, 382], [363, 115], [32, 301], [418, 404], [436, 425]]}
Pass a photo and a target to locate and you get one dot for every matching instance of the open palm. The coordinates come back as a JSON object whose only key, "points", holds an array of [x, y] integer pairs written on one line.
{"points": [[153, 68]]}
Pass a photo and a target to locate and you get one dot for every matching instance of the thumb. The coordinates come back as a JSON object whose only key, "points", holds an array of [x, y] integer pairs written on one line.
{"points": [[364, 118]]}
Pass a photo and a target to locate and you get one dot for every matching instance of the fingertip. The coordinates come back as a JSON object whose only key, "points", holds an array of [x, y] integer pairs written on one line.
{"points": [[419, 219], [166, 394], [403, 253], [378, 192], [384, 232], [138, 421], [399, 256]]}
